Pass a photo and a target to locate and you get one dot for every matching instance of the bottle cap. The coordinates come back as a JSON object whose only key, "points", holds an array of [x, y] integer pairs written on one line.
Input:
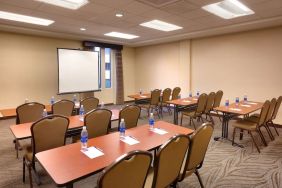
{"points": [[45, 110], [84, 127], [151, 114], [122, 120], [81, 106]]}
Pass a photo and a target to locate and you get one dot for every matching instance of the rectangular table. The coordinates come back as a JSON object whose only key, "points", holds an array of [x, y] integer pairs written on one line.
{"points": [[180, 104], [144, 96], [68, 164], [234, 110], [22, 131]]}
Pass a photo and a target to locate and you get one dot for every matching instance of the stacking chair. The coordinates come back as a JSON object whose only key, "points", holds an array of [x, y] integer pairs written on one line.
{"points": [[130, 114], [209, 106], [275, 111], [168, 162], [198, 112], [217, 101], [154, 103], [63, 107], [47, 133], [251, 126], [129, 170], [199, 142], [165, 97], [175, 93], [89, 104], [28, 112]]}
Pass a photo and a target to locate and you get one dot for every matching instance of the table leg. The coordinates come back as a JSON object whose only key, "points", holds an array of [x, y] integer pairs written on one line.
{"points": [[175, 115], [70, 185]]}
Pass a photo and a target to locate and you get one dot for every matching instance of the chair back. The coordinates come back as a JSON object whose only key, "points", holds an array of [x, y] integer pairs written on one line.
{"points": [[270, 110], [130, 114], [210, 102], [89, 104], [199, 142], [166, 95], [29, 112], [217, 99], [155, 97], [175, 93], [202, 101], [97, 122], [129, 170], [277, 106], [263, 112], [169, 160], [63, 107], [48, 133]]}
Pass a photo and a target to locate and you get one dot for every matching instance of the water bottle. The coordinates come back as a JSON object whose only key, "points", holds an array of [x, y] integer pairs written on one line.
{"points": [[52, 100], [237, 101], [84, 138], [245, 98], [74, 99], [122, 128], [26, 100], [190, 94], [102, 104], [198, 93], [140, 91], [227, 102], [44, 113], [81, 113], [151, 121]]}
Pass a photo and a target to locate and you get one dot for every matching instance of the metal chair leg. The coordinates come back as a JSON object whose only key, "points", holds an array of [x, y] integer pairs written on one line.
{"points": [[254, 141], [199, 178], [233, 136], [23, 169]]}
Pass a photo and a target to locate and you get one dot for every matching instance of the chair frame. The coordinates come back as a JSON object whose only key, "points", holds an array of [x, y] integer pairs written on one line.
{"points": [[124, 108], [163, 103], [150, 107], [87, 98], [63, 100]]}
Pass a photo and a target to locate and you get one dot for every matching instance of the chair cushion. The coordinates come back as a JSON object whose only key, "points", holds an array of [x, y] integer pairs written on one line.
{"points": [[244, 124]]}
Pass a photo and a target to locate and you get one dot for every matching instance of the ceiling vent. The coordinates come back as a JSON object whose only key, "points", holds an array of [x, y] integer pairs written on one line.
{"points": [[158, 3]]}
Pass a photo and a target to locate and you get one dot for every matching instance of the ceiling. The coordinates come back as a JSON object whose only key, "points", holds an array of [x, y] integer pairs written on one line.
{"points": [[98, 17]]}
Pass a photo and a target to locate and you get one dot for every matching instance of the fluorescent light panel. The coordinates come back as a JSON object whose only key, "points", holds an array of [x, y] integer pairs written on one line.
{"points": [[228, 9], [23, 18], [121, 35], [70, 4], [160, 25]]}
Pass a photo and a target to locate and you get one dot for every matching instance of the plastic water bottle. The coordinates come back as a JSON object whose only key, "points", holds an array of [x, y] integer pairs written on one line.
{"points": [[102, 104], [84, 138], [74, 99], [245, 98], [198, 93], [26, 100], [227, 102], [237, 101], [44, 113], [190, 94], [81, 113], [122, 128], [151, 121], [52, 100]]}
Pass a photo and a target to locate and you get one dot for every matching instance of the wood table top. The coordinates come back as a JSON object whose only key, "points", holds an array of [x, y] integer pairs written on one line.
{"points": [[140, 96], [242, 108], [22, 131], [68, 164], [184, 101]]}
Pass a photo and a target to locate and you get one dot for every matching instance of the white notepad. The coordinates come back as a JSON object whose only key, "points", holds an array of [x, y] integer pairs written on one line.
{"points": [[245, 105], [129, 140], [186, 101], [235, 109], [92, 152], [143, 96], [195, 99], [251, 103], [159, 131]]}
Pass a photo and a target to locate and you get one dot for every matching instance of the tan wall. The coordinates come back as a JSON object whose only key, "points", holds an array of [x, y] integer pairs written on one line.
{"points": [[243, 63], [162, 66]]}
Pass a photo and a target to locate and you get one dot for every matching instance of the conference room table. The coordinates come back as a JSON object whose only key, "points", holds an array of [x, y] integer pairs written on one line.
{"points": [[181, 104], [22, 131], [67, 164], [243, 108], [140, 98]]}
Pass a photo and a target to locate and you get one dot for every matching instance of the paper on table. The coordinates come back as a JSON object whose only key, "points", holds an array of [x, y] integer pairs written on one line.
{"points": [[159, 131], [1, 114], [186, 101], [92, 152], [143, 96], [129, 140], [194, 99], [235, 109], [252, 103], [245, 105]]}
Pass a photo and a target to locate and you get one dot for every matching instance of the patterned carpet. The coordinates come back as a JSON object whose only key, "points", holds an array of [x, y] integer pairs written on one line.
{"points": [[224, 165]]}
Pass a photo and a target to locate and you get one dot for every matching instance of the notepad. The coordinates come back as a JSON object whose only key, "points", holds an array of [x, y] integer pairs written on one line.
{"points": [[92, 152], [186, 101], [251, 103], [245, 105], [235, 109], [159, 131], [129, 140], [195, 99], [143, 96]]}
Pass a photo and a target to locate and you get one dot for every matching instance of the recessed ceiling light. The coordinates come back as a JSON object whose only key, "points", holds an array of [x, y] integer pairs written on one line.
{"points": [[70, 4], [82, 29], [121, 35], [24, 18], [228, 9], [119, 15], [160, 25]]}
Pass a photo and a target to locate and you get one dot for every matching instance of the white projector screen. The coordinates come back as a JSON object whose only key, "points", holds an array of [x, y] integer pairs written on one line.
{"points": [[78, 71]]}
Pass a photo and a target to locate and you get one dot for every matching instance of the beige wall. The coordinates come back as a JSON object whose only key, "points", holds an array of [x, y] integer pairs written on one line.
{"points": [[162, 66], [243, 63]]}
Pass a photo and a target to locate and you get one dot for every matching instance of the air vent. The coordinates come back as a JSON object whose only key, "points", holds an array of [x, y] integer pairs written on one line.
{"points": [[158, 3]]}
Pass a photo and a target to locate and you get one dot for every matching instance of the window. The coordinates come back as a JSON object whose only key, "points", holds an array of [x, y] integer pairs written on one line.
{"points": [[108, 68]]}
